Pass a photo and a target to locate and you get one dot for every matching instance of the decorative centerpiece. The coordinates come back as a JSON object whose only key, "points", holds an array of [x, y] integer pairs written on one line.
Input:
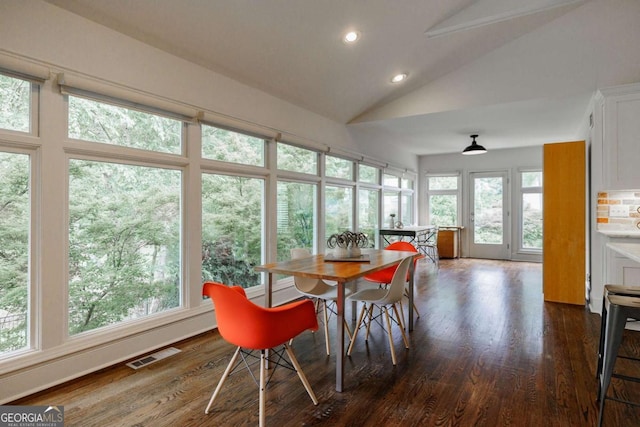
{"points": [[347, 244], [392, 220]]}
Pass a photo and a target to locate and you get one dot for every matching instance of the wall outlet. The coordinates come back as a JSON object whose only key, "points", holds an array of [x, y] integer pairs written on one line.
{"points": [[618, 211]]}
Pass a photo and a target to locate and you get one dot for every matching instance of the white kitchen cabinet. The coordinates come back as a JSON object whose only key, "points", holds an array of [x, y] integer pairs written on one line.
{"points": [[623, 267], [625, 272], [619, 110]]}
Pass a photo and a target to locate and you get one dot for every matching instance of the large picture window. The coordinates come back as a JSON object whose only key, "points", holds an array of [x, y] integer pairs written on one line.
{"points": [[232, 229], [338, 210], [125, 258], [368, 200], [124, 242], [531, 208], [14, 251], [297, 217], [16, 114], [397, 200], [443, 199]]}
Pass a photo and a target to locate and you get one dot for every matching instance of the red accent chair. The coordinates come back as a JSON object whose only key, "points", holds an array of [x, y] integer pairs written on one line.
{"points": [[252, 327]]}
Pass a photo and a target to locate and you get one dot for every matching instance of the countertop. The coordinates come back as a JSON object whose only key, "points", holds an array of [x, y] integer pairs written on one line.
{"points": [[630, 250], [621, 233]]}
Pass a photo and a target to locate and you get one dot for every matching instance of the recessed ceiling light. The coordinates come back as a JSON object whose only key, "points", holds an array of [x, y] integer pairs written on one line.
{"points": [[399, 78], [351, 37]]}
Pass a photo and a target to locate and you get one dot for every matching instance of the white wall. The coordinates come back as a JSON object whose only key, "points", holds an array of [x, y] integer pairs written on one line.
{"points": [[511, 160]]}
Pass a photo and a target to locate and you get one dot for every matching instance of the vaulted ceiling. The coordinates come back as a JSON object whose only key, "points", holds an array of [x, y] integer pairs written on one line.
{"points": [[518, 72]]}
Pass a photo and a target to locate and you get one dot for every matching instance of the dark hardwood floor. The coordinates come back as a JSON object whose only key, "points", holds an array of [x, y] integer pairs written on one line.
{"points": [[486, 351]]}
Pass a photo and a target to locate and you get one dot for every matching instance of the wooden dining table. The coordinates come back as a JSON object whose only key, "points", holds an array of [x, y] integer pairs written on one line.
{"points": [[342, 272]]}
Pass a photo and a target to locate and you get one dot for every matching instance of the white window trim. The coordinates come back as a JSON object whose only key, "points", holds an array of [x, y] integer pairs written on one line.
{"points": [[457, 192]]}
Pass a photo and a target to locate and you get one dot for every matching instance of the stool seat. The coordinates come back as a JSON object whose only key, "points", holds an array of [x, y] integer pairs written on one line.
{"points": [[617, 309], [610, 289], [623, 290]]}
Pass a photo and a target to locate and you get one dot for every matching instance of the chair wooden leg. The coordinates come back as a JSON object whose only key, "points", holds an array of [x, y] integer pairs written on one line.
{"points": [[404, 335], [326, 327], [390, 335], [346, 326], [370, 313], [355, 332], [303, 378], [224, 377], [263, 376]]}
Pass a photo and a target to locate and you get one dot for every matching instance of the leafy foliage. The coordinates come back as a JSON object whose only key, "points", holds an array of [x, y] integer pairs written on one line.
{"points": [[231, 229], [14, 253], [124, 242]]}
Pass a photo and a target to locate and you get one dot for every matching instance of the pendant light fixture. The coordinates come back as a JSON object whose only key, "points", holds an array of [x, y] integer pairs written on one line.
{"points": [[474, 148]]}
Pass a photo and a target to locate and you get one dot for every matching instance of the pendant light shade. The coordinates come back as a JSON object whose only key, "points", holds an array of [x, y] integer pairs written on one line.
{"points": [[474, 148]]}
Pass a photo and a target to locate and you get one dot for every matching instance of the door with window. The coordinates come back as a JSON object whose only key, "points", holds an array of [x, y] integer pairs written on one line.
{"points": [[489, 216]]}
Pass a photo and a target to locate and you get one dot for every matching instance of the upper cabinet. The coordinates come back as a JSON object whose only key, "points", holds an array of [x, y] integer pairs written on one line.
{"points": [[617, 134]]}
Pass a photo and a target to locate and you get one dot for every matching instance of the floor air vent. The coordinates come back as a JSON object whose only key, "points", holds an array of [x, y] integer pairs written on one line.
{"points": [[152, 358]]}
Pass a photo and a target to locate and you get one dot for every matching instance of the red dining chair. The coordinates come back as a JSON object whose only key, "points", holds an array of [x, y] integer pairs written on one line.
{"points": [[252, 327], [384, 277]]}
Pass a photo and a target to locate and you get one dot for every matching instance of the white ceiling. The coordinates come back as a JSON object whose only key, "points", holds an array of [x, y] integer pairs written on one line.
{"points": [[292, 49]]}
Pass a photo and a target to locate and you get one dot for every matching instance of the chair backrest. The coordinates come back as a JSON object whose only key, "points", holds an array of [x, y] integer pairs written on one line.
{"points": [[430, 238], [386, 275], [303, 284], [396, 287], [245, 324], [401, 246]]}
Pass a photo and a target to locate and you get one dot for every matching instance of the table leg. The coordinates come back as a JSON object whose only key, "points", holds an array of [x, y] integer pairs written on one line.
{"points": [[268, 292], [411, 274], [340, 337], [268, 302]]}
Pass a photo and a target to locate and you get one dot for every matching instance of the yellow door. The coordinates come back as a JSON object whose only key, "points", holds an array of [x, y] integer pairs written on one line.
{"points": [[564, 204]]}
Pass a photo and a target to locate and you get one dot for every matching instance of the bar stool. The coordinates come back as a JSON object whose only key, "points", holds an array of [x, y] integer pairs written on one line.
{"points": [[619, 308], [610, 290]]}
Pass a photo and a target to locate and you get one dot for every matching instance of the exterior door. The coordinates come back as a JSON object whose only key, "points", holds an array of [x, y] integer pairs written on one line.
{"points": [[489, 216]]}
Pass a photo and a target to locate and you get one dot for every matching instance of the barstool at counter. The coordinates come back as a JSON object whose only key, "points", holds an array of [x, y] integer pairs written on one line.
{"points": [[619, 308], [610, 290]]}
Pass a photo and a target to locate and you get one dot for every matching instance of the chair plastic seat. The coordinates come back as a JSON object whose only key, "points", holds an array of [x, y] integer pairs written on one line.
{"points": [[369, 295], [250, 326], [324, 291]]}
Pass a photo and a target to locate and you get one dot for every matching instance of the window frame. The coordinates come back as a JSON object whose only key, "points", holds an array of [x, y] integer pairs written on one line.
{"points": [[520, 223], [27, 143], [86, 150], [457, 192]]}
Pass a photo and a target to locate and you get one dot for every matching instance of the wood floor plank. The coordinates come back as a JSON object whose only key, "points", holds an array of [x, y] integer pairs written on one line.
{"points": [[486, 351]]}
